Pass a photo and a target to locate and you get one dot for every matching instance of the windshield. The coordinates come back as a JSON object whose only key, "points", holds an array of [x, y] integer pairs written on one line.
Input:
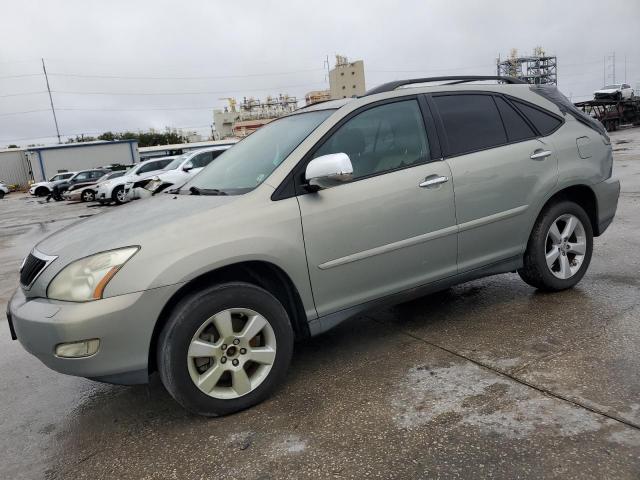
{"points": [[247, 164], [175, 163]]}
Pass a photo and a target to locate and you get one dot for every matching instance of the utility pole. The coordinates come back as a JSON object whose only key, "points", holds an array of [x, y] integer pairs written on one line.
{"points": [[327, 63], [55, 120]]}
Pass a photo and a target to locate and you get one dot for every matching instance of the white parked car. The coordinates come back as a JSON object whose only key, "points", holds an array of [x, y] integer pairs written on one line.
{"points": [[42, 189], [3, 190], [179, 171], [618, 91], [114, 190]]}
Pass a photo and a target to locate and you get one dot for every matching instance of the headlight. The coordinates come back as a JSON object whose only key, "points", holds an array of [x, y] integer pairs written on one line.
{"points": [[85, 279]]}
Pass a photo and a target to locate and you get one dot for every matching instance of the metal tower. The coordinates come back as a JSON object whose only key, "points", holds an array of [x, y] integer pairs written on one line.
{"points": [[537, 69]]}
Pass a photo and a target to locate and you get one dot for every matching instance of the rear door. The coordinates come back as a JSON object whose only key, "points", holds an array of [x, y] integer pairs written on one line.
{"points": [[382, 232], [500, 165]]}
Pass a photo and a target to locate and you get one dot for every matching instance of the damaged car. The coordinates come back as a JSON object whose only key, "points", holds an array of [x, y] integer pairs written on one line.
{"points": [[114, 190], [177, 173], [618, 91], [86, 191]]}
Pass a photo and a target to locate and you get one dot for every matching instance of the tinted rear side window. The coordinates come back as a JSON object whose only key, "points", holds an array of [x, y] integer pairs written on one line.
{"points": [[544, 122], [471, 122], [517, 128]]}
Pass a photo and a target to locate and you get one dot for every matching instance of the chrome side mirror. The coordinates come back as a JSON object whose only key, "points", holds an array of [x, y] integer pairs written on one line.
{"points": [[329, 170]]}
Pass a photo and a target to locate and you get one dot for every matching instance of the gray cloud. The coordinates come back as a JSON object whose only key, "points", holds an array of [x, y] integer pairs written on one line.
{"points": [[164, 39]]}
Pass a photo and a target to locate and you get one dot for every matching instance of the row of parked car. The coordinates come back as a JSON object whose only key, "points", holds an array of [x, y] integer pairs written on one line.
{"points": [[120, 183]]}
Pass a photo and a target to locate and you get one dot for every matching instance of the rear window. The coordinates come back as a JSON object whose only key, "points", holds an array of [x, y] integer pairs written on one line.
{"points": [[544, 122], [517, 128], [471, 122]]}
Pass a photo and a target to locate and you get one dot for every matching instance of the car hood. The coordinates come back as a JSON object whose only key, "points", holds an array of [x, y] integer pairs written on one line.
{"points": [[608, 90], [41, 184], [131, 224]]}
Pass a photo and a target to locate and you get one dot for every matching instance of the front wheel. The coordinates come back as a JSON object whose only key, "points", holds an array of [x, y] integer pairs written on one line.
{"points": [[119, 196], [225, 348], [559, 248], [88, 196], [41, 192]]}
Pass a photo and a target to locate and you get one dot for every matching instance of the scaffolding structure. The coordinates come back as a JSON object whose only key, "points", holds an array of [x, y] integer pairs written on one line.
{"points": [[536, 69]]}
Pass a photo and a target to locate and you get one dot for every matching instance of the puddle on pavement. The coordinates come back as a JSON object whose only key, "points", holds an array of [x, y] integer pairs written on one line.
{"points": [[472, 396]]}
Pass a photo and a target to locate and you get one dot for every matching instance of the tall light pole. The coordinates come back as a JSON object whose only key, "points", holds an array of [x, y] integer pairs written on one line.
{"points": [[53, 110]]}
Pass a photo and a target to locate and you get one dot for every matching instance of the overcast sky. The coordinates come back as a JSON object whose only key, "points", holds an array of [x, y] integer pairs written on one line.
{"points": [[184, 56]]}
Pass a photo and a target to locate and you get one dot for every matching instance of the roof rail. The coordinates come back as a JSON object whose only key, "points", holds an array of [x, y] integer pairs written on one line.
{"points": [[390, 86]]}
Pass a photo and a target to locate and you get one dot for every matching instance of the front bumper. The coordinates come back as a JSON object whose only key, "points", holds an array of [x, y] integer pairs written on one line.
{"points": [[72, 196], [124, 324], [607, 194], [103, 194]]}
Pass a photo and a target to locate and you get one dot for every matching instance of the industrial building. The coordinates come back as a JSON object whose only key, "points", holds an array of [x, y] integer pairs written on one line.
{"points": [[251, 114], [47, 161], [536, 69], [347, 78]]}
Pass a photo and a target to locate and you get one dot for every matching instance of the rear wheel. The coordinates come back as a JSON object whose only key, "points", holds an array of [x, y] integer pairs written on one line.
{"points": [[119, 196], [225, 349], [559, 248], [88, 196]]}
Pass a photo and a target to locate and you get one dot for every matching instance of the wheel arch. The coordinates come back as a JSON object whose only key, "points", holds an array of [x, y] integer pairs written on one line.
{"points": [[581, 194], [261, 273]]}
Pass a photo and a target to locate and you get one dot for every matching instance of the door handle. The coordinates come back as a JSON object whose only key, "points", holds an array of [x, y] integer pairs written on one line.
{"points": [[433, 181], [540, 154]]}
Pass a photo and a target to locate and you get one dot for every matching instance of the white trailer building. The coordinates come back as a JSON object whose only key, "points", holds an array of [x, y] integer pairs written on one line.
{"points": [[47, 161], [15, 168]]}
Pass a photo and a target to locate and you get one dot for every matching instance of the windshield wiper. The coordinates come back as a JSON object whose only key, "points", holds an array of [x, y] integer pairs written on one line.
{"points": [[206, 191]]}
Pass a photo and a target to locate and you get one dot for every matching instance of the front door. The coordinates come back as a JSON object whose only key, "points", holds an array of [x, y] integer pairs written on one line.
{"points": [[382, 232]]}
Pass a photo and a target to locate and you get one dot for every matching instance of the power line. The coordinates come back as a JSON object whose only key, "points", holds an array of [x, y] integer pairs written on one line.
{"points": [[22, 94], [21, 75], [203, 77], [24, 112], [215, 92]]}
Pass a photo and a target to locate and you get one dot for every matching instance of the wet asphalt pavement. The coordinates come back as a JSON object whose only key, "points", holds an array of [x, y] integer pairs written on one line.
{"points": [[487, 379]]}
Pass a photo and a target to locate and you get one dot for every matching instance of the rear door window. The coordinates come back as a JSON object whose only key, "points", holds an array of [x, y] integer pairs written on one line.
{"points": [[544, 122], [471, 122], [515, 125]]}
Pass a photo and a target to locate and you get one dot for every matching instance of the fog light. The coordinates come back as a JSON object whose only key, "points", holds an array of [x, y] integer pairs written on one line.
{"points": [[85, 348]]}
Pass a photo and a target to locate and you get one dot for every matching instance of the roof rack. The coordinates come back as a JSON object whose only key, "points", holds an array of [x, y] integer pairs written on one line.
{"points": [[390, 86]]}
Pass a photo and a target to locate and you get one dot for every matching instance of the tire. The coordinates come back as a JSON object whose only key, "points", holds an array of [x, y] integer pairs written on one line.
{"points": [[195, 318], [41, 192], [1, 194], [88, 196], [118, 195], [566, 265]]}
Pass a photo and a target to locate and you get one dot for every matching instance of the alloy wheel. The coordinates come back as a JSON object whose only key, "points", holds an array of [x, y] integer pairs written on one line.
{"points": [[231, 353], [566, 246], [121, 195]]}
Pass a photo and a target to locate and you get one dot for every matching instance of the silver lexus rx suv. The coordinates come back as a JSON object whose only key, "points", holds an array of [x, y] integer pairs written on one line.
{"points": [[341, 206]]}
